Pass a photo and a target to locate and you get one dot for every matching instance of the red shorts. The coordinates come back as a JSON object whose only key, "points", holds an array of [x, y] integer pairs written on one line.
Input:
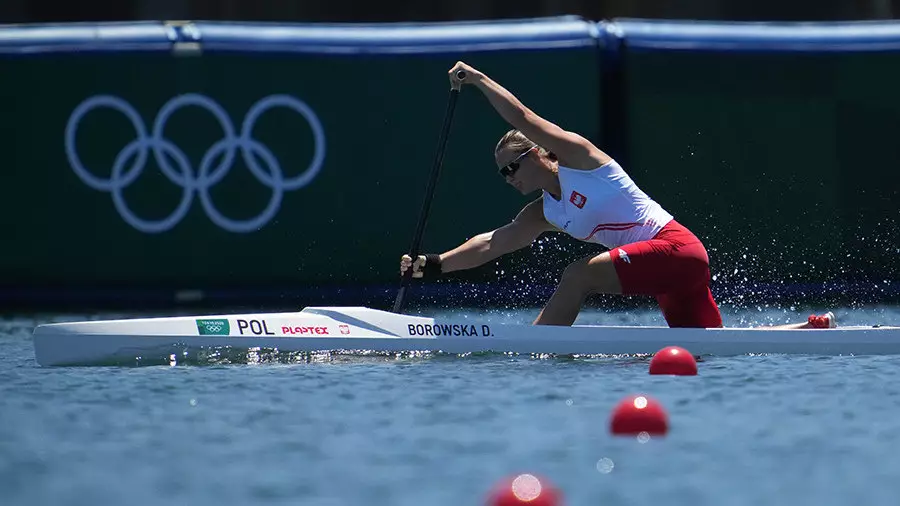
{"points": [[674, 268]]}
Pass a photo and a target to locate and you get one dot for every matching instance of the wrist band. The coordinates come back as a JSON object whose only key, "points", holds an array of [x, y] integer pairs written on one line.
{"points": [[432, 268]]}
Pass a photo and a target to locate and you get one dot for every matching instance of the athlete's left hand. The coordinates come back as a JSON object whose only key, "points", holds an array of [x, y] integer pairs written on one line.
{"points": [[405, 262]]}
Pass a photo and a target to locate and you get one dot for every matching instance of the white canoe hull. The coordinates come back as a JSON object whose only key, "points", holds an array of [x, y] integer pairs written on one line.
{"points": [[357, 328]]}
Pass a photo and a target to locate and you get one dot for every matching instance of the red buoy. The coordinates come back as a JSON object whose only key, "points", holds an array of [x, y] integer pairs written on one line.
{"points": [[673, 360], [639, 414], [525, 489]]}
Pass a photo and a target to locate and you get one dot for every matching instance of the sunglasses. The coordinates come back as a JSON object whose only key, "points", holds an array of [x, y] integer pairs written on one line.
{"points": [[511, 168]]}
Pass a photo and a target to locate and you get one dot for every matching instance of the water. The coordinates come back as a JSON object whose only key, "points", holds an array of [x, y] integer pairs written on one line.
{"points": [[439, 430]]}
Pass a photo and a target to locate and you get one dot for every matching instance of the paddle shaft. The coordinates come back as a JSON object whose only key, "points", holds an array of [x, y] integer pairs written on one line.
{"points": [[400, 301]]}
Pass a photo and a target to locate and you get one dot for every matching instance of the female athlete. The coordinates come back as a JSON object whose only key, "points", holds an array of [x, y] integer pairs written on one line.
{"points": [[587, 195]]}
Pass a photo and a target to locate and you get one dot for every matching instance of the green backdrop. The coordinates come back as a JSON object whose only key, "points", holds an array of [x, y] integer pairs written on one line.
{"points": [[381, 118], [785, 163]]}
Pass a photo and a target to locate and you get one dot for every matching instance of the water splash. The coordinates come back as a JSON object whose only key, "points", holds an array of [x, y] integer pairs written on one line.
{"points": [[226, 355]]}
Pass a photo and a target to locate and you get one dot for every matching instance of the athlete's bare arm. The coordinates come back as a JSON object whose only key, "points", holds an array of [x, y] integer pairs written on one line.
{"points": [[528, 225], [571, 149]]}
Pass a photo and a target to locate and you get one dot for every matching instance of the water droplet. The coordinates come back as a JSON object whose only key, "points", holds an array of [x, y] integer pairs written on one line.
{"points": [[605, 465]]}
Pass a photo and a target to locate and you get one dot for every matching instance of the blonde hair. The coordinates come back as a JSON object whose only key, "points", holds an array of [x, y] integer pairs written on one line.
{"points": [[516, 141]]}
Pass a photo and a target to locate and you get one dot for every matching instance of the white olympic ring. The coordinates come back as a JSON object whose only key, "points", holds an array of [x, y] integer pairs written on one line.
{"points": [[213, 328], [184, 175]]}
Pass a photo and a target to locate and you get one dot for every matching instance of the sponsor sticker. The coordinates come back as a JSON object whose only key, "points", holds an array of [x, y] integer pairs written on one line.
{"points": [[213, 327], [305, 331]]}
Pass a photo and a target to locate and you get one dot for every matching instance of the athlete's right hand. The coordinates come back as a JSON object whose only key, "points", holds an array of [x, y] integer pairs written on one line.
{"points": [[471, 75], [406, 260]]}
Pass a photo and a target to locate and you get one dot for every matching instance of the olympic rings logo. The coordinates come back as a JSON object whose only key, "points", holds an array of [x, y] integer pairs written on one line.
{"points": [[214, 328], [183, 174]]}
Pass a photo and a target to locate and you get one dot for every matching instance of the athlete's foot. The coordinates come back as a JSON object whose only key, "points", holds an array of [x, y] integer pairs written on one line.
{"points": [[825, 321]]}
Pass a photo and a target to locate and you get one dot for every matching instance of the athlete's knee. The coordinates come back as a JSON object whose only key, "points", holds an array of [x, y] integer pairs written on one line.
{"points": [[575, 274], [591, 275]]}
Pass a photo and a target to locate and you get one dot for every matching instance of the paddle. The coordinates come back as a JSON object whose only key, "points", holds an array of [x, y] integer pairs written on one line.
{"points": [[400, 301]]}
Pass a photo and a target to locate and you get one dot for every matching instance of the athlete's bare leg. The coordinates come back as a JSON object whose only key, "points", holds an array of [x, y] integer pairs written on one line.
{"points": [[580, 279]]}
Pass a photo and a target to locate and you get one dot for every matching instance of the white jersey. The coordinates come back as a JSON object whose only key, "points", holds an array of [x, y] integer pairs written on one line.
{"points": [[604, 206]]}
